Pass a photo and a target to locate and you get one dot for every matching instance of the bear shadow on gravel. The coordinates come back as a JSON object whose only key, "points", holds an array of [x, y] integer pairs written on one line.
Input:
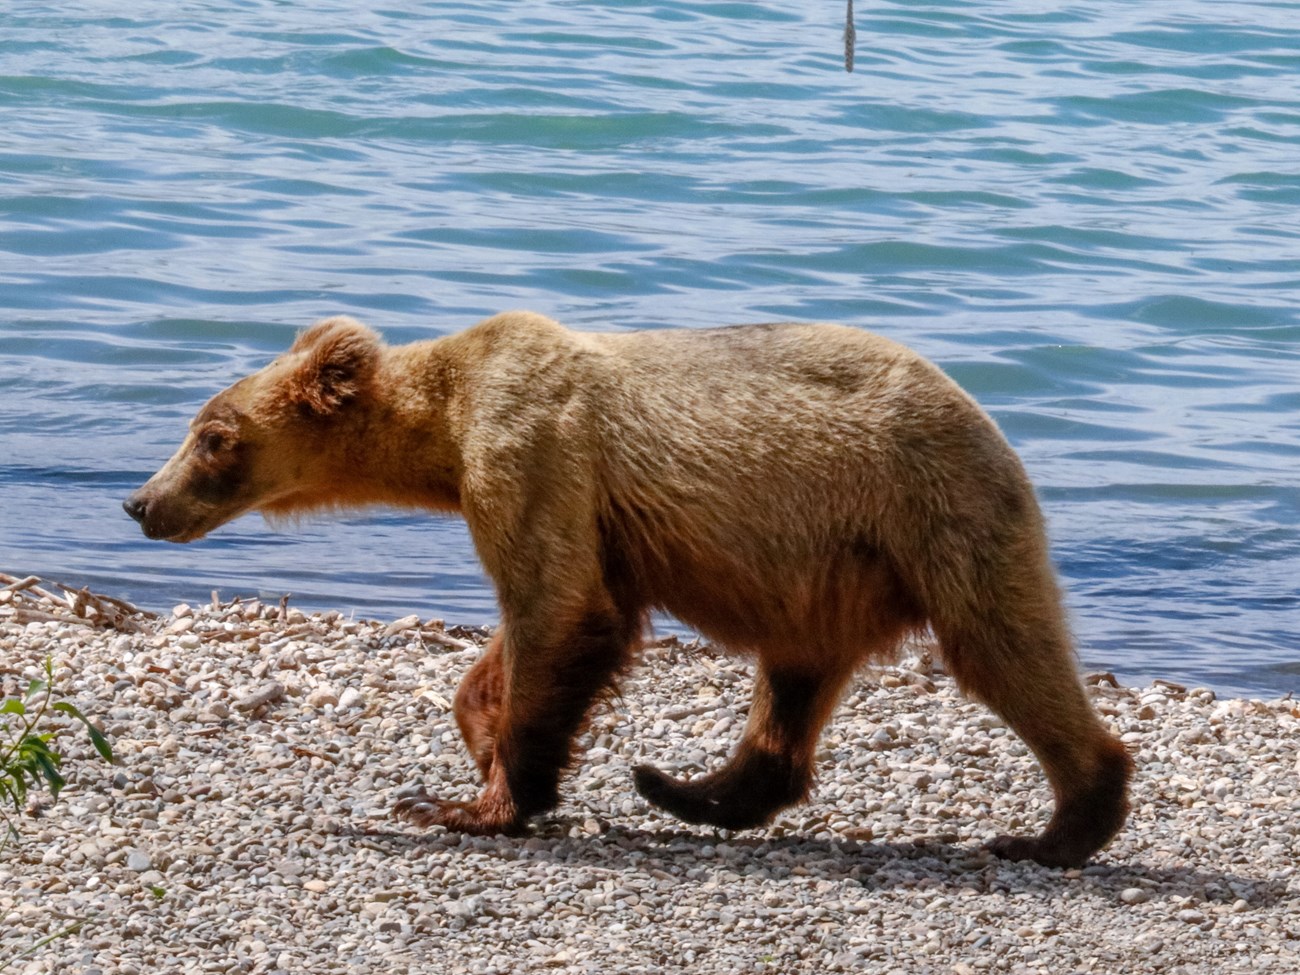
{"points": [[878, 866]]}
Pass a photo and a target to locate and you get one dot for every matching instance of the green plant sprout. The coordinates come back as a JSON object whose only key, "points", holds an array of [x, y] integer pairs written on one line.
{"points": [[27, 759]]}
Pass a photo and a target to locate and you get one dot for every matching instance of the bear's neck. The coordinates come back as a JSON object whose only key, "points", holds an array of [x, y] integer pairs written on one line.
{"points": [[408, 452]]}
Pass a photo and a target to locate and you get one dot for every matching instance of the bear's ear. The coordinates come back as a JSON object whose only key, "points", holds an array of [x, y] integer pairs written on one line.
{"points": [[337, 359]]}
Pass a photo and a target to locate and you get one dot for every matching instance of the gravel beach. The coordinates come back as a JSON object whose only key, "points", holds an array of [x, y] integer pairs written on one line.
{"points": [[247, 828]]}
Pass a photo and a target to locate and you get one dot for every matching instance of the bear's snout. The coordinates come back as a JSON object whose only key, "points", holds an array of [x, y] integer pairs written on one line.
{"points": [[152, 516], [136, 507]]}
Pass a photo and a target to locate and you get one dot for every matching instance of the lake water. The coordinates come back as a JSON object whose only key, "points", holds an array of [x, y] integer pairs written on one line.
{"points": [[1088, 213]]}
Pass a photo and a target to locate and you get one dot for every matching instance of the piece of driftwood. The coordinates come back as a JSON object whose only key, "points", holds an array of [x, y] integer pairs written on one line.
{"points": [[28, 584], [268, 693], [24, 600], [445, 639]]}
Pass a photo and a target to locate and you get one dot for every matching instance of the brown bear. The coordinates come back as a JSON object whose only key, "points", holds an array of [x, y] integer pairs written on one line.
{"points": [[807, 494]]}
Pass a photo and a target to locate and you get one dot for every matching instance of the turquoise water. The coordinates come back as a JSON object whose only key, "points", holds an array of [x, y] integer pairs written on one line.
{"points": [[1089, 213]]}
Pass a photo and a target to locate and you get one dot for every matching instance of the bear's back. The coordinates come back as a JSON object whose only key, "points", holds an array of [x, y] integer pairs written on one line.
{"points": [[812, 403]]}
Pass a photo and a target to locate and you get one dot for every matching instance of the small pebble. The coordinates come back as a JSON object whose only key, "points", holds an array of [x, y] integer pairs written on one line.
{"points": [[350, 698]]}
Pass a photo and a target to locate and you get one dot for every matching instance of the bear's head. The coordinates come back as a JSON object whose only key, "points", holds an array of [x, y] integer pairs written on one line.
{"points": [[274, 442]]}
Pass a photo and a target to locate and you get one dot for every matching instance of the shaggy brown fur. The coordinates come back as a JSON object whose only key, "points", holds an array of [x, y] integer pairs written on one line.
{"points": [[808, 494]]}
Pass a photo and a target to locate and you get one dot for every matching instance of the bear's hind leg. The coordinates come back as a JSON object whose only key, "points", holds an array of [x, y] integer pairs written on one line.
{"points": [[771, 767], [1026, 674]]}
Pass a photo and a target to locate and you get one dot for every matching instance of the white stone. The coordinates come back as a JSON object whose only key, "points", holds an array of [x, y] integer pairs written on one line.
{"points": [[350, 698]]}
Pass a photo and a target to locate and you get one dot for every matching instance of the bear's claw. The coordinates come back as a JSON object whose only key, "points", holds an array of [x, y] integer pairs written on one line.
{"points": [[422, 810], [416, 806]]}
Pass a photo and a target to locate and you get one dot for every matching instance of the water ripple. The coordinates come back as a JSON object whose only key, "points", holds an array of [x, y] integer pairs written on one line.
{"points": [[1086, 213]]}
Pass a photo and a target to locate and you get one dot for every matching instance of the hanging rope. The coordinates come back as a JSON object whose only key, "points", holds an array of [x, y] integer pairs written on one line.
{"points": [[850, 35]]}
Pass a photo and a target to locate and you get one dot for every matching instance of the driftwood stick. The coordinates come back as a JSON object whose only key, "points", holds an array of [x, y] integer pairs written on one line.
{"points": [[24, 615], [446, 640], [268, 693], [75, 605], [28, 584], [77, 601], [121, 605], [15, 584]]}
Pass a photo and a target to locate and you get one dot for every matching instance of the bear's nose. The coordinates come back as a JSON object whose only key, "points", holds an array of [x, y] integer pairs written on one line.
{"points": [[135, 507]]}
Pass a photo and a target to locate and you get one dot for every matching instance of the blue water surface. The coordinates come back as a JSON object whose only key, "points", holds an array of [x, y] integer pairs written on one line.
{"points": [[1088, 213]]}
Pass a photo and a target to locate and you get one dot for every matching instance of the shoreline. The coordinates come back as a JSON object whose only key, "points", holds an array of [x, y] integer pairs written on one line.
{"points": [[260, 749]]}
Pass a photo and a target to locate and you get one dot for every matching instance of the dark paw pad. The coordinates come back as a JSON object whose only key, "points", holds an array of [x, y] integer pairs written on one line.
{"points": [[685, 800], [1039, 849], [656, 787], [704, 800]]}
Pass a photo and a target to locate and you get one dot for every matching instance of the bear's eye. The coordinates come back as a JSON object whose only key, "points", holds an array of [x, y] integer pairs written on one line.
{"points": [[212, 442]]}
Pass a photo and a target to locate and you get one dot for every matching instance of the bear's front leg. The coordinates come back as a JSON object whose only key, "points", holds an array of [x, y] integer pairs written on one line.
{"points": [[547, 689], [494, 812]]}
